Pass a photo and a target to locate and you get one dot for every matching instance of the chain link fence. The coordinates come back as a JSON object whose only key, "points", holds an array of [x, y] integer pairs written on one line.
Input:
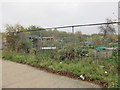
{"points": [[96, 40]]}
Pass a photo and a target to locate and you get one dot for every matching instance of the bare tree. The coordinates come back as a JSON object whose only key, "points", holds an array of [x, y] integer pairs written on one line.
{"points": [[107, 29]]}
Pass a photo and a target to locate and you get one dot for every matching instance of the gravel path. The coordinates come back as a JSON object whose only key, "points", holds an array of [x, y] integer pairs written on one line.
{"points": [[16, 75]]}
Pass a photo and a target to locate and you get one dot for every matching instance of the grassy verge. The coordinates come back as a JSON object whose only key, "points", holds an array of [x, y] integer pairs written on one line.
{"points": [[96, 69]]}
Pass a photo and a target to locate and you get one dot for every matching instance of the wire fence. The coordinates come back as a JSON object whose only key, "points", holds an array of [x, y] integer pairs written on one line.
{"points": [[85, 40]]}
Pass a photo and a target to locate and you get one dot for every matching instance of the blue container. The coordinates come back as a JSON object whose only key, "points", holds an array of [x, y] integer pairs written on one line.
{"points": [[28, 50]]}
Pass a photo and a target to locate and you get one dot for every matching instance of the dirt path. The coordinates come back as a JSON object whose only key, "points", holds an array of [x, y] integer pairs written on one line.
{"points": [[16, 75]]}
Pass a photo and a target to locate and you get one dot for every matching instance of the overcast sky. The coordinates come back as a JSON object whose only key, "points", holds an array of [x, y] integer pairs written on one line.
{"points": [[52, 13]]}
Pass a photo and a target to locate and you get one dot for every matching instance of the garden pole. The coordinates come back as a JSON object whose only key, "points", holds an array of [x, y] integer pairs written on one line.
{"points": [[72, 34], [40, 40]]}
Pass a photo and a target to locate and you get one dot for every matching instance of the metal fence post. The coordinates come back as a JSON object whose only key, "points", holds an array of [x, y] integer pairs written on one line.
{"points": [[40, 40], [72, 34]]}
